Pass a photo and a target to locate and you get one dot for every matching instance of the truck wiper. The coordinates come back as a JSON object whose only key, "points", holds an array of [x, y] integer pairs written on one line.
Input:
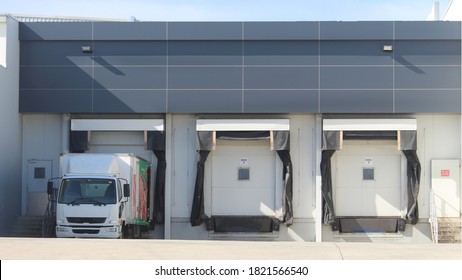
{"points": [[75, 201], [84, 200]]}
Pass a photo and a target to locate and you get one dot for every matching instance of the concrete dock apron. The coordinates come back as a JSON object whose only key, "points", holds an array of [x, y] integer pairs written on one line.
{"points": [[102, 249]]}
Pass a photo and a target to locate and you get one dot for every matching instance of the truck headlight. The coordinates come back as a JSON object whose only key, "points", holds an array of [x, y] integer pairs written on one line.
{"points": [[62, 229], [59, 221], [113, 222], [110, 229]]}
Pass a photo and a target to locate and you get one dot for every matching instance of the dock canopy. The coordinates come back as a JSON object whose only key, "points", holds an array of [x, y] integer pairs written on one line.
{"points": [[209, 130], [402, 130]]}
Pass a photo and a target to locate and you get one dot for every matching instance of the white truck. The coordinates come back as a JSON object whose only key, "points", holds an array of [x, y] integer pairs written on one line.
{"points": [[102, 196]]}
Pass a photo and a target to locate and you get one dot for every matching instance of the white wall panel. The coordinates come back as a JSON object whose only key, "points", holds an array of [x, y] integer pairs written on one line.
{"points": [[184, 161], [438, 137]]}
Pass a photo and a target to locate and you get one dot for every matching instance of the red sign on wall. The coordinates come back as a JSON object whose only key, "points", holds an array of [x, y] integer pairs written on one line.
{"points": [[445, 173]]}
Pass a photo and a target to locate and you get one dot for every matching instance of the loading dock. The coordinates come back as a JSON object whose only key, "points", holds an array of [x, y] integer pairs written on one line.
{"points": [[142, 137], [242, 192], [365, 193]]}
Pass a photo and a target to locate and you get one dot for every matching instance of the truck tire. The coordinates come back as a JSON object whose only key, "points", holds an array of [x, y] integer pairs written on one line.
{"points": [[137, 232], [128, 232]]}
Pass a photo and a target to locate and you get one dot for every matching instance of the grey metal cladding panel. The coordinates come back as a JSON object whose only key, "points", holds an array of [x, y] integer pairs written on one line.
{"points": [[281, 77], [281, 53], [130, 101], [281, 30], [55, 31], [428, 101], [110, 77], [362, 52], [281, 101], [372, 30], [357, 77], [130, 53], [130, 31], [356, 101], [55, 101], [427, 77], [427, 30], [418, 52], [204, 31], [205, 78], [55, 78], [204, 101], [54, 53], [205, 53]]}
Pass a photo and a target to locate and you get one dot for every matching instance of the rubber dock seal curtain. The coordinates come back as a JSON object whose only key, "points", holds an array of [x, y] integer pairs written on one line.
{"points": [[156, 143], [335, 131], [280, 142]]}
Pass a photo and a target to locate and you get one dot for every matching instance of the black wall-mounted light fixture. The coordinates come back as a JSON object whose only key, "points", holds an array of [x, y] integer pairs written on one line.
{"points": [[87, 49]]}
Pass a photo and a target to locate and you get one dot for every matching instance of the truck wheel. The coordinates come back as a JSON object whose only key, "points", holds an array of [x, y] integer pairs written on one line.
{"points": [[128, 232], [137, 232]]}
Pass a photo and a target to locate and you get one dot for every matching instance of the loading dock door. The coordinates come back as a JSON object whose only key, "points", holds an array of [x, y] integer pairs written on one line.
{"points": [[211, 131], [403, 131], [108, 142], [117, 135], [243, 178], [368, 178]]}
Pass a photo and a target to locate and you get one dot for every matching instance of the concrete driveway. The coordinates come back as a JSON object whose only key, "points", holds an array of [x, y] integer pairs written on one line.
{"points": [[98, 249]]}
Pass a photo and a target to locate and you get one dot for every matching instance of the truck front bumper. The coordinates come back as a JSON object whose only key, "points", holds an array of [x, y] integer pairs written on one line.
{"points": [[89, 232]]}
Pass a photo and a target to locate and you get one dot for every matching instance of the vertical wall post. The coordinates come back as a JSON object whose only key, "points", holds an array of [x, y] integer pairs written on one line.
{"points": [[168, 177], [317, 154], [66, 127]]}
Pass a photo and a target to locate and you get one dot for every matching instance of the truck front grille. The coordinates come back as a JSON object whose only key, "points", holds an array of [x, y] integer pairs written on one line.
{"points": [[87, 231], [86, 220]]}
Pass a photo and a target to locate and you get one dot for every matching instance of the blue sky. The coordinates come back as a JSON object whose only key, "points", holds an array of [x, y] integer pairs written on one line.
{"points": [[228, 10]]}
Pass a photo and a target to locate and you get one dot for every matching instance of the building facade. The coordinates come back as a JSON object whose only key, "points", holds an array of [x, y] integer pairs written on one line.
{"points": [[307, 131], [10, 124]]}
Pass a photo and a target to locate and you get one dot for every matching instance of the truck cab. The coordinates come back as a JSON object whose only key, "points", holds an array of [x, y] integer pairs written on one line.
{"points": [[91, 206]]}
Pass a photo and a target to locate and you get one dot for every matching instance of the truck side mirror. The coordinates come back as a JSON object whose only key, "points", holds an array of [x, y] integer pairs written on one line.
{"points": [[126, 190], [50, 188]]}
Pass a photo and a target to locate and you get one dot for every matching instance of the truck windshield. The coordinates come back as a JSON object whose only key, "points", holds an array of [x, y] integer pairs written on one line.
{"points": [[87, 191]]}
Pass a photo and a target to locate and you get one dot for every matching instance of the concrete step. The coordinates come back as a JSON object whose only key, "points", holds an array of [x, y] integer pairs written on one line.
{"points": [[27, 226], [449, 230], [449, 239]]}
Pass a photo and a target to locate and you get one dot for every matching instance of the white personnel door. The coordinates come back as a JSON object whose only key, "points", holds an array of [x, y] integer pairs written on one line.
{"points": [[368, 178], [38, 173], [243, 178]]}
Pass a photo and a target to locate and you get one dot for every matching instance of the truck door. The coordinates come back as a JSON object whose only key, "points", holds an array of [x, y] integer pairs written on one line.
{"points": [[38, 173]]}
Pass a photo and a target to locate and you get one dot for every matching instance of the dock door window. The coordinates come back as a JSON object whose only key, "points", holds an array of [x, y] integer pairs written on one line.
{"points": [[368, 174], [243, 174]]}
